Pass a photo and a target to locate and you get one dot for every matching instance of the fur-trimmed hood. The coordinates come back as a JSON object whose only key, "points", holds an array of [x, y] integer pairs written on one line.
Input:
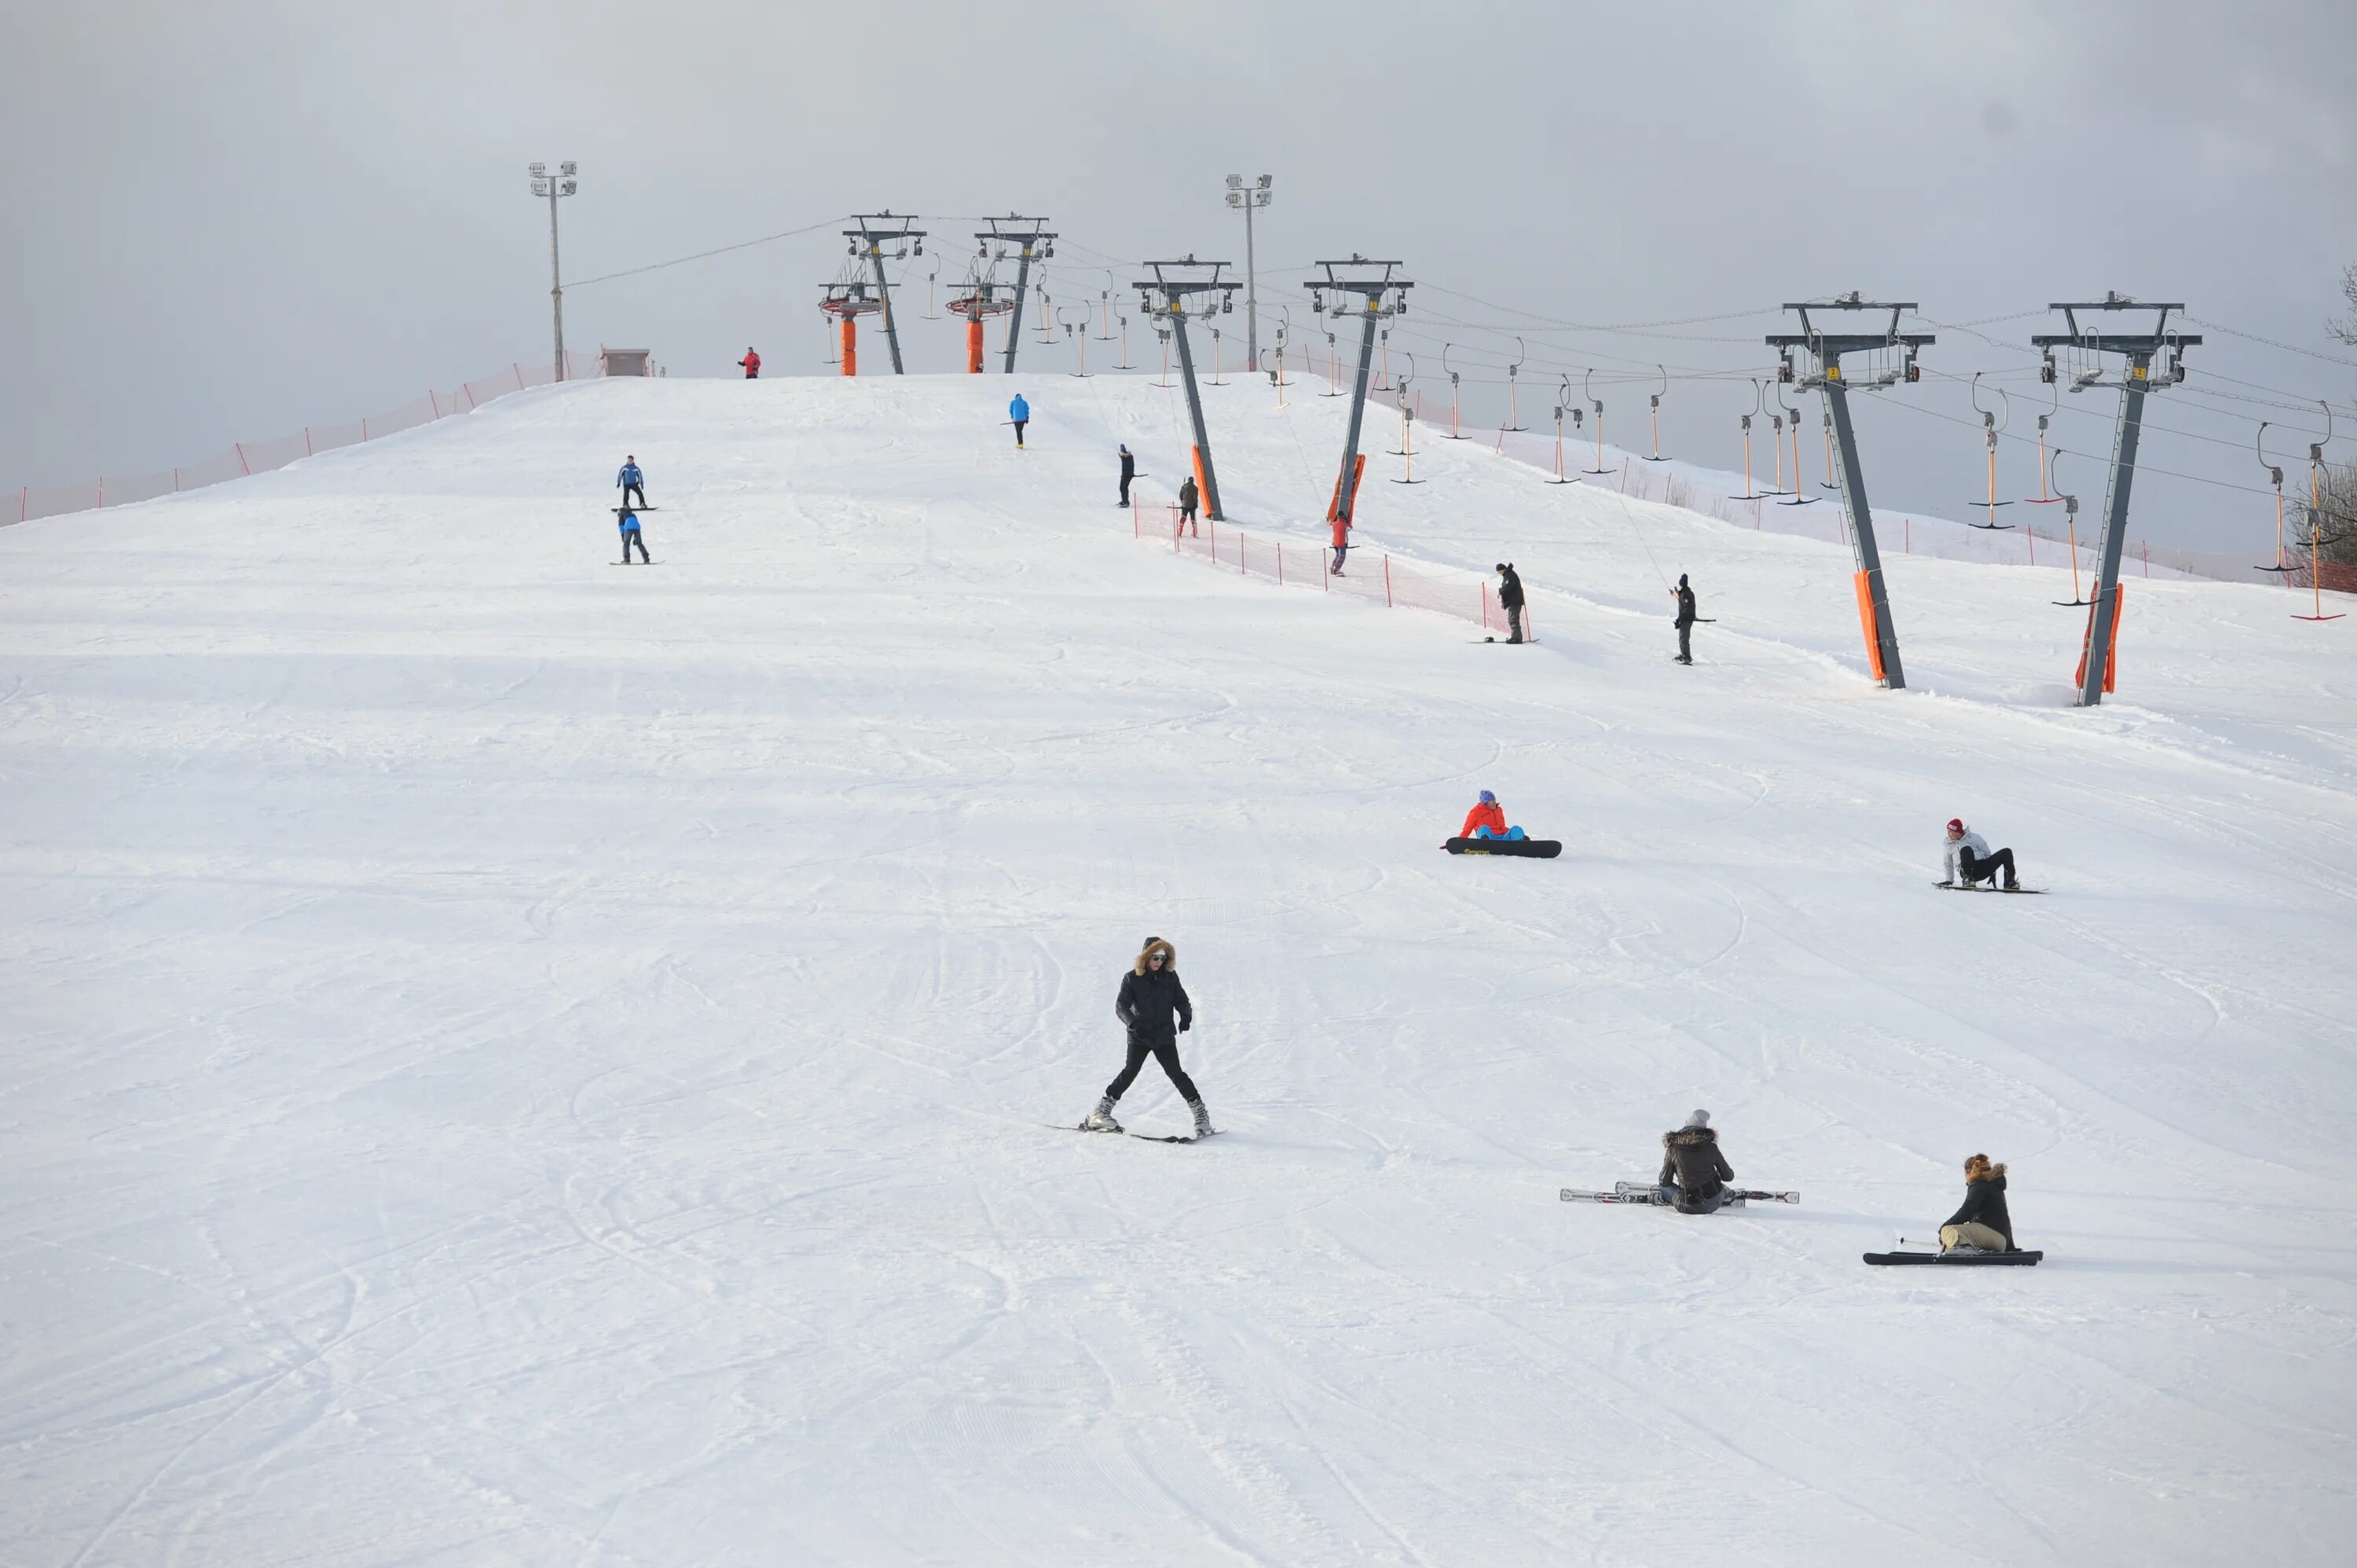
{"points": [[1169, 956], [1689, 1137]]}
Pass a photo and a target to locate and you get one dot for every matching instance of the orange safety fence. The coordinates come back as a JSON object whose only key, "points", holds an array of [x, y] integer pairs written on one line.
{"points": [[1373, 576], [245, 457]]}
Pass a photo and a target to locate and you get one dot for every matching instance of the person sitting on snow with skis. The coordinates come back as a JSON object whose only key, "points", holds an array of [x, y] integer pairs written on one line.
{"points": [[1694, 1173], [1982, 1224], [1150, 996], [1487, 820], [1967, 861]]}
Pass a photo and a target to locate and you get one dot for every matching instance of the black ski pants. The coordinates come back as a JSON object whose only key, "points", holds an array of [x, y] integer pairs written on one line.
{"points": [[1686, 641], [1513, 623], [1125, 488], [632, 536], [1018, 431], [1163, 1051], [639, 490], [1974, 867]]}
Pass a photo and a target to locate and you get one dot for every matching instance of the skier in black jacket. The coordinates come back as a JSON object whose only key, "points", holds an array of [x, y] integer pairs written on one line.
{"points": [[1684, 595], [1983, 1224], [1510, 599], [1128, 471], [1150, 998], [1694, 1173]]}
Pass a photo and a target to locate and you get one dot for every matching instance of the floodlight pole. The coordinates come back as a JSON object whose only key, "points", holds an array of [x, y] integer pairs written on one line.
{"points": [[868, 240], [1035, 240], [1372, 311], [1173, 310], [1829, 348], [2138, 348], [562, 183]]}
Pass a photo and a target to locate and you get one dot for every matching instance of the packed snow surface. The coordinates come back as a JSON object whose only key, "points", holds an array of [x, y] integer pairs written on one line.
{"points": [[515, 1059]]}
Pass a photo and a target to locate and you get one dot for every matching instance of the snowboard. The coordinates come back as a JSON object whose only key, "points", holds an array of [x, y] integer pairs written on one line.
{"points": [[1537, 849], [1968, 888], [1176, 1137], [619, 511], [1646, 1193], [1528, 641], [1958, 1260]]}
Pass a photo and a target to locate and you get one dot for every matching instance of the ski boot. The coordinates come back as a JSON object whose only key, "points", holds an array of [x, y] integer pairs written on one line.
{"points": [[1100, 1119], [1202, 1119]]}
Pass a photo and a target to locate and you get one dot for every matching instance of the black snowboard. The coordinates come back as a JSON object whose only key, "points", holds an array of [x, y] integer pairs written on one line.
{"points": [[619, 511], [1968, 888], [1959, 1259], [1537, 849]]}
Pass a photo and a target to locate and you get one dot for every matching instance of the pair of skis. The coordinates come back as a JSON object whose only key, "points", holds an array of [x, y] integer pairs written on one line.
{"points": [[1641, 1192], [1150, 1137]]}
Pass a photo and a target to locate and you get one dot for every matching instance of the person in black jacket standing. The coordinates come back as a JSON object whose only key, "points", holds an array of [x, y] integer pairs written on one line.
{"points": [[1694, 1173], [1151, 997], [1983, 1224], [1128, 471], [1510, 599], [1684, 595]]}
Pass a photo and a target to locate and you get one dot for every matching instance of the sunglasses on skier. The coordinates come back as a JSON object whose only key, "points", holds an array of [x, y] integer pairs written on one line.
{"points": [[1154, 958]]}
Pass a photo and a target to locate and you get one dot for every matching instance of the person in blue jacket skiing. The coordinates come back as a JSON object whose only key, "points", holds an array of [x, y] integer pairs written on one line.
{"points": [[1020, 412], [632, 482], [631, 535]]}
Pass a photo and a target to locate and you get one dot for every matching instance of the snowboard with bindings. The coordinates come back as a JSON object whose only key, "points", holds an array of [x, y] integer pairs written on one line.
{"points": [[1963, 1258], [1176, 1137], [1648, 1193], [1974, 887], [1536, 849]]}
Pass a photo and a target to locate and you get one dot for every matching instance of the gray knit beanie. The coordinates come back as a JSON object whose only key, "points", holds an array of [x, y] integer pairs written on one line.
{"points": [[1698, 1119]]}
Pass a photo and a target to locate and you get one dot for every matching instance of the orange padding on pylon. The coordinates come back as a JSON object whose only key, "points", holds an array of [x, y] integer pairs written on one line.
{"points": [[1866, 620], [850, 345], [2111, 643], [1202, 490], [1334, 507]]}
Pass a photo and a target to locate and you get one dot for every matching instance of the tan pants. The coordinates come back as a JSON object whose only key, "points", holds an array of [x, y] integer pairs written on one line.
{"points": [[1974, 1234]]}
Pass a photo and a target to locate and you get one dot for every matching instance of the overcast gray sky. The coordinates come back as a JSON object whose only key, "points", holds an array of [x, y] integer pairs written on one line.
{"points": [[231, 220]]}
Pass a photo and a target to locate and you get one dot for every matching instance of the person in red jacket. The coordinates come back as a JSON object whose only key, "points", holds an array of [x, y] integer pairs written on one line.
{"points": [[1342, 543], [1487, 820], [752, 363]]}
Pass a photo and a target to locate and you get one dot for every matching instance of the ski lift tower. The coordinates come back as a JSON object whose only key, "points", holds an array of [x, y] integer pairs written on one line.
{"points": [[1032, 241], [1379, 296], [1827, 347], [979, 299], [2096, 674], [876, 230], [1175, 282], [847, 300]]}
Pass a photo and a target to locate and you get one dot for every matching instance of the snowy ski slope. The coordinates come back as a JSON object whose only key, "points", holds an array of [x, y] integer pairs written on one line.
{"points": [[513, 1060]]}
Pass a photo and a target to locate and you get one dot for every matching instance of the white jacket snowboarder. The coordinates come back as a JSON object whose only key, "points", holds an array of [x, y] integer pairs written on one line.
{"points": [[1966, 858]]}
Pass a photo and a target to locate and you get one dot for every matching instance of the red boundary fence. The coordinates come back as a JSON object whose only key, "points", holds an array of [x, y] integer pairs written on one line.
{"points": [[245, 457], [1373, 576]]}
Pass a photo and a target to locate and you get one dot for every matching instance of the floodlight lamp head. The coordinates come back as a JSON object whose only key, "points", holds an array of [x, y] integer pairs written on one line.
{"points": [[569, 187], [1235, 182], [540, 187], [537, 169], [1234, 200], [569, 167], [1266, 180]]}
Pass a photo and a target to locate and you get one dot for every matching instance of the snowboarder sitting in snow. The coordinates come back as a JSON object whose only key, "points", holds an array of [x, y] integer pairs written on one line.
{"points": [[1982, 1224], [1510, 599], [632, 482], [1694, 1173], [1150, 996], [1487, 820], [1187, 495], [1968, 860], [1019, 412]]}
